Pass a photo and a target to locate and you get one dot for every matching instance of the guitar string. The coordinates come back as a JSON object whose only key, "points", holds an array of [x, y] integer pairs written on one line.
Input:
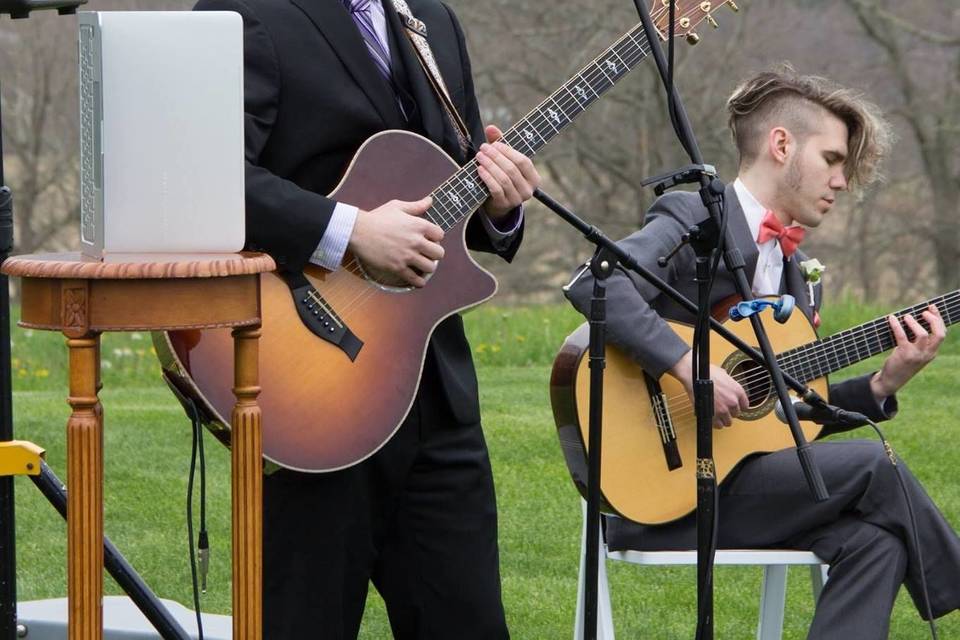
{"points": [[823, 356], [586, 74], [881, 340], [827, 353], [354, 267]]}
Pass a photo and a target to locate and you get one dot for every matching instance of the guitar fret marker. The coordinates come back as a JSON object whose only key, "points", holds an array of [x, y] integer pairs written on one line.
{"points": [[463, 192]]}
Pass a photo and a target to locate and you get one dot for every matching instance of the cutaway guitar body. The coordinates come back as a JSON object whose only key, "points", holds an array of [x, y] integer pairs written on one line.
{"points": [[321, 410]]}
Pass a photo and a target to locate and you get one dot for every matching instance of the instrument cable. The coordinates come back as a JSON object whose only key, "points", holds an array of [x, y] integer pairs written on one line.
{"points": [[203, 545], [913, 527]]}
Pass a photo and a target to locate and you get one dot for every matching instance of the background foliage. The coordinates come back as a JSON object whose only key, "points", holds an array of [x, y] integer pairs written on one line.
{"points": [[895, 242]]}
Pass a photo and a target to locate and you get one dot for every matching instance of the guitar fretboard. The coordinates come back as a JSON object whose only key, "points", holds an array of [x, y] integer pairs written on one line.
{"points": [[464, 191], [817, 359]]}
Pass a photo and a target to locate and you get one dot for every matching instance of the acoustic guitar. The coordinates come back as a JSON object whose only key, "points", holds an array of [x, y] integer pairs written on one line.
{"points": [[341, 358], [648, 465]]}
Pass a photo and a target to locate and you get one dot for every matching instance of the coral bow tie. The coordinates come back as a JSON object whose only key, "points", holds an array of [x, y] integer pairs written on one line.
{"points": [[789, 237]]}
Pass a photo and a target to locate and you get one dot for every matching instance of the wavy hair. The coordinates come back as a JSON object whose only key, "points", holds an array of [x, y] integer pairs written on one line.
{"points": [[782, 97]]}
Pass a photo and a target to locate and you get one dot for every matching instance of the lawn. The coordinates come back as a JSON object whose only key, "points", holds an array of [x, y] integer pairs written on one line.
{"points": [[147, 453]]}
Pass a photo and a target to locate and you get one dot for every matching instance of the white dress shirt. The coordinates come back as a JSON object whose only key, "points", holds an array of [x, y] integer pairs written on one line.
{"points": [[766, 279]]}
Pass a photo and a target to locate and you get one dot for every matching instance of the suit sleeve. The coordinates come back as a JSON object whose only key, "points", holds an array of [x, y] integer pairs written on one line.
{"points": [[854, 394], [477, 237], [632, 325], [282, 219]]}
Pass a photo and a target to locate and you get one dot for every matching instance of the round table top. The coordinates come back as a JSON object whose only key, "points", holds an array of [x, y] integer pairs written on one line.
{"points": [[137, 266]]}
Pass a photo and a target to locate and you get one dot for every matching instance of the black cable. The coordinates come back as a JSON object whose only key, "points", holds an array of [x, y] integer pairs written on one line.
{"points": [[195, 420], [203, 541], [672, 109], [913, 527]]}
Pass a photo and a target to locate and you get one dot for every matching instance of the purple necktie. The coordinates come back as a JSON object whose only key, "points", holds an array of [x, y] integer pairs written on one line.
{"points": [[360, 11]]}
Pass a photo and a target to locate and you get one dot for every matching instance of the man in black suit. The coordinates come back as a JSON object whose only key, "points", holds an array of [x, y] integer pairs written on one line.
{"points": [[418, 518], [801, 140]]}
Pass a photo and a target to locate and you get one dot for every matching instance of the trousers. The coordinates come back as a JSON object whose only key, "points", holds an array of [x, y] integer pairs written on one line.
{"points": [[418, 519], [863, 531]]}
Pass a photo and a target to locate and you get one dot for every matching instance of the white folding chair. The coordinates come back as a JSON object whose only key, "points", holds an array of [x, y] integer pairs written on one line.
{"points": [[772, 595]]}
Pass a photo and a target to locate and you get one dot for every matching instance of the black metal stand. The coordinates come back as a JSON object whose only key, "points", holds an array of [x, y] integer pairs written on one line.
{"points": [[613, 255], [8, 552], [602, 265], [115, 564], [706, 480]]}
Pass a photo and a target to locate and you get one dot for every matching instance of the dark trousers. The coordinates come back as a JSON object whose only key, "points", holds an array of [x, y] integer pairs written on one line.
{"points": [[418, 518], [862, 531]]}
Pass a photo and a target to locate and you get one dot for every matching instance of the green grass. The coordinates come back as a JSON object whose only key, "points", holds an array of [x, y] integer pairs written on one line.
{"points": [[147, 448]]}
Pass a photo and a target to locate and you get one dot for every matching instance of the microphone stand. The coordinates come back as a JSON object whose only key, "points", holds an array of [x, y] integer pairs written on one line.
{"points": [[705, 239], [609, 254], [704, 245], [46, 481]]}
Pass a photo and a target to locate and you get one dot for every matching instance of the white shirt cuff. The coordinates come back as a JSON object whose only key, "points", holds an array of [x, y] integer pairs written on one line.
{"points": [[333, 244], [500, 239]]}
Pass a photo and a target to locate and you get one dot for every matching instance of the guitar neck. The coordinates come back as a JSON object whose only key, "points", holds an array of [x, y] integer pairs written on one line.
{"points": [[822, 357], [464, 191]]}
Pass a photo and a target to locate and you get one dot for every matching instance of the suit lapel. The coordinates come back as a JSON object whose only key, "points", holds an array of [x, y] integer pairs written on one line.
{"points": [[333, 21], [431, 116], [739, 230], [795, 285]]}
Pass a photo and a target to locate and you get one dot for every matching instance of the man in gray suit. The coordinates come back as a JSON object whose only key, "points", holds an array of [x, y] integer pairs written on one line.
{"points": [[801, 140]]}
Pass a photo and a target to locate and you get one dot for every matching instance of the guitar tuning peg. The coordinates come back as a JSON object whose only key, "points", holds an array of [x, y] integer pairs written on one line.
{"points": [[692, 38], [733, 6], [712, 22]]}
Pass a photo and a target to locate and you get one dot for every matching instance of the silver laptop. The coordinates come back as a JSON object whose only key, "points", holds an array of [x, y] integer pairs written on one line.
{"points": [[161, 132]]}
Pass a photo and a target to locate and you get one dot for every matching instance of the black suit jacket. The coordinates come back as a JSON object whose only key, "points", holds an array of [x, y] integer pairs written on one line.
{"points": [[312, 97], [636, 309]]}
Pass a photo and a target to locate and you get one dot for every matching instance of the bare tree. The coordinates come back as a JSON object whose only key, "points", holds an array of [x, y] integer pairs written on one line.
{"points": [[923, 64], [39, 129], [905, 56]]}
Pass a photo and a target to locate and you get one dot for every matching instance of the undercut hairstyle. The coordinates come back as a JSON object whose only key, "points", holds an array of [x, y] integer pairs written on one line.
{"points": [[782, 97]]}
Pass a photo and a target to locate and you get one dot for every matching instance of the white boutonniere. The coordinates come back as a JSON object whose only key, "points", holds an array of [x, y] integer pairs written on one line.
{"points": [[812, 271]]}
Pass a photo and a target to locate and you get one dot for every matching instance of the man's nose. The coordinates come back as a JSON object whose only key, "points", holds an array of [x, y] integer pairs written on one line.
{"points": [[838, 182]]}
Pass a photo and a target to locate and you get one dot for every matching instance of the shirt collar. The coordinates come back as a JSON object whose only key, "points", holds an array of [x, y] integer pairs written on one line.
{"points": [[753, 211]]}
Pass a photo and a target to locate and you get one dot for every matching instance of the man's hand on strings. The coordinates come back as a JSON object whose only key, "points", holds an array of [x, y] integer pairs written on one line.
{"points": [[396, 244], [509, 175], [729, 398], [909, 356]]}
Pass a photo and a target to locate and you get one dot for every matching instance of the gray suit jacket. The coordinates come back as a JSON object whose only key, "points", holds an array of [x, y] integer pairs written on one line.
{"points": [[636, 310]]}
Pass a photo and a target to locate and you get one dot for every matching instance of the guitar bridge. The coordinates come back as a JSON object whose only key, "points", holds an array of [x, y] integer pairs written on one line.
{"points": [[661, 411], [320, 318]]}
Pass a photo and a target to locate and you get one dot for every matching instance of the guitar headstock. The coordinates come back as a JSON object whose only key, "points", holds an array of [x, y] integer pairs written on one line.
{"points": [[687, 15]]}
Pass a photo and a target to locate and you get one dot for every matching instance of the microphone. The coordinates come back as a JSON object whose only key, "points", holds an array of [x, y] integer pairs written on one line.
{"points": [[821, 414]]}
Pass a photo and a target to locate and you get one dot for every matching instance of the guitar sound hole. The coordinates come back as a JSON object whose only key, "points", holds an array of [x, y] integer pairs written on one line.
{"points": [[755, 381]]}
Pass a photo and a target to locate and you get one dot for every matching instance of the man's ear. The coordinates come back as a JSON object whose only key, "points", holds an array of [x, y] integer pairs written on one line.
{"points": [[780, 144]]}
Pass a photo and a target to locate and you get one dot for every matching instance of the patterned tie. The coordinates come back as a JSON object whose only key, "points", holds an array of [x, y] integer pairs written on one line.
{"points": [[360, 11], [789, 237]]}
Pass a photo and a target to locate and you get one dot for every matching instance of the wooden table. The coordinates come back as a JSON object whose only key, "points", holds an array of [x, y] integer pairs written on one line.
{"points": [[83, 297]]}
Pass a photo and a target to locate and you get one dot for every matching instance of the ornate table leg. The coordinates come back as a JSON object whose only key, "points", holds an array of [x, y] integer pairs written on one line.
{"points": [[247, 461], [85, 495]]}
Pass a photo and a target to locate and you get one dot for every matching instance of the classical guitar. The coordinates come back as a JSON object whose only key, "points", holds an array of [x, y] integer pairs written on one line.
{"points": [[649, 428], [341, 360]]}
